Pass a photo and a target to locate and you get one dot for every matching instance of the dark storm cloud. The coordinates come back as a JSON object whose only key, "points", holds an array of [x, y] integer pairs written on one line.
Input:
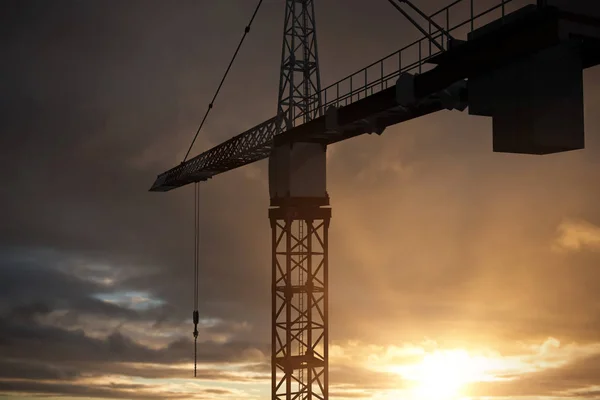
{"points": [[70, 355], [35, 371], [33, 341], [34, 287], [37, 287], [164, 372]]}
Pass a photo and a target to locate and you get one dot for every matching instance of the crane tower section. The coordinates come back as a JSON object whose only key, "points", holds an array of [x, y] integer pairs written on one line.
{"points": [[299, 217], [300, 302], [299, 99]]}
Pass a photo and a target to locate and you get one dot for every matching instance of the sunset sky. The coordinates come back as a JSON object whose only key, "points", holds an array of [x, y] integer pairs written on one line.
{"points": [[455, 272]]}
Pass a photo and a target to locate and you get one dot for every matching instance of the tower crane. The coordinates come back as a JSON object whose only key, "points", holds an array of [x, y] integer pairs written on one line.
{"points": [[523, 69]]}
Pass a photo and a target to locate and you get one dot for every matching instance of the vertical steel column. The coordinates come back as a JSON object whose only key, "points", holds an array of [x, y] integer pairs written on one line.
{"points": [[299, 301]]}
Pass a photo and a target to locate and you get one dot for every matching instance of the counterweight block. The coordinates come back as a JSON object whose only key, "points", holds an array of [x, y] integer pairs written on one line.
{"points": [[536, 103]]}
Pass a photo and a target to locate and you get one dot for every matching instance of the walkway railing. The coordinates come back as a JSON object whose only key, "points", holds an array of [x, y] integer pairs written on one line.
{"points": [[412, 58]]}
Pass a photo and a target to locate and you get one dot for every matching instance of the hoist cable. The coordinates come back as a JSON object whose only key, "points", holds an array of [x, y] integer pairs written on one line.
{"points": [[197, 244], [210, 105], [195, 315]]}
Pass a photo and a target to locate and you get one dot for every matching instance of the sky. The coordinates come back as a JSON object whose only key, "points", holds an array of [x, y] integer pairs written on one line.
{"points": [[455, 272]]}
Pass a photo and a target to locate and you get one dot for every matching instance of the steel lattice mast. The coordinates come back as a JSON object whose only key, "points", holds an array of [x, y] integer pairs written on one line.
{"points": [[299, 302], [299, 226], [299, 99]]}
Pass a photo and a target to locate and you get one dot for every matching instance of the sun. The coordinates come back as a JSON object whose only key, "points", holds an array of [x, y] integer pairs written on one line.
{"points": [[443, 374]]}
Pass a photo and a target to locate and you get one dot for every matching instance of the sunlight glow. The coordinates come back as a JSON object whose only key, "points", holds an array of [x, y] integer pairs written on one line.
{"points": [[442, 375]]}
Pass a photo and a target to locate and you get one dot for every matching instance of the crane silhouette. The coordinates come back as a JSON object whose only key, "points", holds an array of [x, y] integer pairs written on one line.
{"points": [[523, 69]]}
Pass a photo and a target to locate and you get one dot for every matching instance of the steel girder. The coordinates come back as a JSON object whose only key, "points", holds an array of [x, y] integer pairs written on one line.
{"points": [[253, 145]]}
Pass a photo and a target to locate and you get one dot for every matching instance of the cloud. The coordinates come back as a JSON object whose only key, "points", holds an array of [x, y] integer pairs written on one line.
{"points": [[116, 391], [34, 341], [575, 377], [10, 369], [539, 369], [577, 235], [54, 330]]}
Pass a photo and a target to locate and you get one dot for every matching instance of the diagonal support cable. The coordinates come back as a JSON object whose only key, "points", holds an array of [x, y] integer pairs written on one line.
{"points": [[212, 102], [426, 17]]}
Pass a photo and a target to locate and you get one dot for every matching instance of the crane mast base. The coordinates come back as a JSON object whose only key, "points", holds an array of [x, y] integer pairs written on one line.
{"points": [[300, 322]]}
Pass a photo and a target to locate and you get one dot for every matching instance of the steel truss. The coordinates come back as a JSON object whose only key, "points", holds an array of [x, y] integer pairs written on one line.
{"points": [[299, 76], [299, 358], [299, 99]]}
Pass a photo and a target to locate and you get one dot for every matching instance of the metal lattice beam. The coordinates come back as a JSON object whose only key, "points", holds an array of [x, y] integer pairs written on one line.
{"points": [[245, 148], [299, 98], [299, 303], [300, 75]]}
